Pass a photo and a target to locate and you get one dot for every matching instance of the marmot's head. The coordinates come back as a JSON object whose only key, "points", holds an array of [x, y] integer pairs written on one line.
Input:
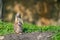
{"points": [[18, 15]]}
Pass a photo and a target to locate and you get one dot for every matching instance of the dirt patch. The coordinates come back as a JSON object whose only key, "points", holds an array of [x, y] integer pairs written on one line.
{"points": [[30, 36]]}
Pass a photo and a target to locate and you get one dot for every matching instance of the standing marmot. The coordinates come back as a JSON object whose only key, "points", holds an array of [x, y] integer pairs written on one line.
{"points": [[18, 24]]}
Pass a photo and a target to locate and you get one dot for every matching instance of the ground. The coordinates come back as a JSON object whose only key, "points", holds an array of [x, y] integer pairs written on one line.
{"points": [[30, 36]]}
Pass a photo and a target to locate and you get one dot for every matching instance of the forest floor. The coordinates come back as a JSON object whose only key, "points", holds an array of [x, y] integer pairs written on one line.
{"points": [[29, 36], [6, 29]]}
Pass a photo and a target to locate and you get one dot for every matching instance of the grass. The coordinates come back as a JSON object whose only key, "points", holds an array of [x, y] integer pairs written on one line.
{"points": [[7, 28]]}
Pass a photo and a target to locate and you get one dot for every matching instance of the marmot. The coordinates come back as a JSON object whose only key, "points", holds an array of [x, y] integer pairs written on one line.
{"points": [[18, 24]]}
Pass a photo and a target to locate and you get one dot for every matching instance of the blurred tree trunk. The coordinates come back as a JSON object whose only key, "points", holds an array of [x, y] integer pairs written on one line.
{"points": [[58, 2], [0, 8]]}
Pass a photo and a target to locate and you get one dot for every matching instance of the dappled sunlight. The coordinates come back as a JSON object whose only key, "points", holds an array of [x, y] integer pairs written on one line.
{"points": [[35, 12]]}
